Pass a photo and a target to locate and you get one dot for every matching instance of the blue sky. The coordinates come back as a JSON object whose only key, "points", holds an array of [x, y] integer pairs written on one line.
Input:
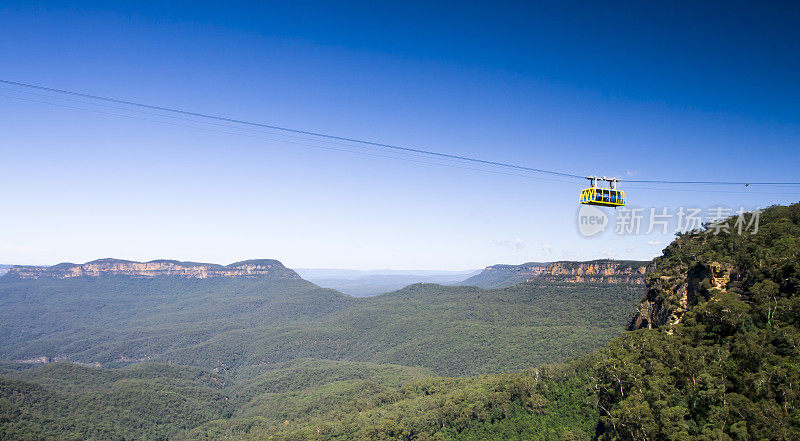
{"points": [[679, 92]]}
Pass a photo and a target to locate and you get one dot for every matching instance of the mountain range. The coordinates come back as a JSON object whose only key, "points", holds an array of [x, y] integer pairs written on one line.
{"points": [[121, 351], [188, 350], [112, 312], [155, 268]]}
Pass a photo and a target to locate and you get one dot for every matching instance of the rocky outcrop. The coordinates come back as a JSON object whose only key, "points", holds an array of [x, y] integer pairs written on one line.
{"points": [[518, 273], [155, 268], [594, 271], [672, 290], [597, 271]]}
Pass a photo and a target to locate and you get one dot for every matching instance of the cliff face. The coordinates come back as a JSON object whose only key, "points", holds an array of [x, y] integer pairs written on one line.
{"points": [[721, 359], [595, 271], [155, 268], [530, 269], [499, 276], [675, 285]]}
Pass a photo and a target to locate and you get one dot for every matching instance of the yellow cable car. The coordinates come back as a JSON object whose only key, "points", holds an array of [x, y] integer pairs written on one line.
{"points": [[605, 197]]}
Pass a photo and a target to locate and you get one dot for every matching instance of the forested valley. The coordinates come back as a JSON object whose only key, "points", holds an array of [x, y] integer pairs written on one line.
{"points": [[712, 353]]}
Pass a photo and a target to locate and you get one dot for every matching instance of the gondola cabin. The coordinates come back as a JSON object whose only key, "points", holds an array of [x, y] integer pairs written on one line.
{"points": [[605, 197]]}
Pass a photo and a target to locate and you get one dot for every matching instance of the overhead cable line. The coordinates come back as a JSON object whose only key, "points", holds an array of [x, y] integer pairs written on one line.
{"points": [[366, 142], [286, 129], [198, 121], [745, 183], [448, 163], [253, 134]]}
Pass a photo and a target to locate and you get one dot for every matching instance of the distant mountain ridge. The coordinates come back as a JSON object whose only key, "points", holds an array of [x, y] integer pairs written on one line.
{"points": [[502, 275], [155, 268], [373, 282], [336, 273], [595, 271]]}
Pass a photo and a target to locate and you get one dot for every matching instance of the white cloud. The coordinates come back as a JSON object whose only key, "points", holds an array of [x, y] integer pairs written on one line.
{"points": [[516, 244], [609, 254], [547, 248], [653, 242], [22, 254]]}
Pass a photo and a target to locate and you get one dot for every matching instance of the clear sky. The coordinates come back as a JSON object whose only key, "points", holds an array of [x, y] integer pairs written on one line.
{"points": [[639, 90]]}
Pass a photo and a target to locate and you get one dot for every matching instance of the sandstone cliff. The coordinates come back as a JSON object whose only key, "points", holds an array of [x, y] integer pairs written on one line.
{"points": [[155, 268], [674, 284], [595, 271]]}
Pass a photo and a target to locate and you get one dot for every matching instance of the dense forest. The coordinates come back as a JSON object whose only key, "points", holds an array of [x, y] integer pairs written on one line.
{"points": [[725, 365], [303, 399], [713, 354], [225, 324]]}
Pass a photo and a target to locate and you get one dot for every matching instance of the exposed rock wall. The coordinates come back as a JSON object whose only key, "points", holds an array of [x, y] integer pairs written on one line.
{"points": [[597, 271], [155, 268], [671, 291]]}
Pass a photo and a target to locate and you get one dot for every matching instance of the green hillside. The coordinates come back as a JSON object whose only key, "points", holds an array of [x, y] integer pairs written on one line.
{"points": [[110, 319], [450, 330], [305, 399], [285, 358], [231, 323], [549, 403], [723, 361], [144, 402]]}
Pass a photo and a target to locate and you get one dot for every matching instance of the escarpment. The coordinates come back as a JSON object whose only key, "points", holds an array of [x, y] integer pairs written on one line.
{"points": [[597, 271], [629, 272], [672, 290], [155, 268], [703, 265]]}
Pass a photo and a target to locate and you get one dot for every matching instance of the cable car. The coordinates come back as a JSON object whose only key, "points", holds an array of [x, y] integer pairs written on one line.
{"points": [[605, 197]]}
